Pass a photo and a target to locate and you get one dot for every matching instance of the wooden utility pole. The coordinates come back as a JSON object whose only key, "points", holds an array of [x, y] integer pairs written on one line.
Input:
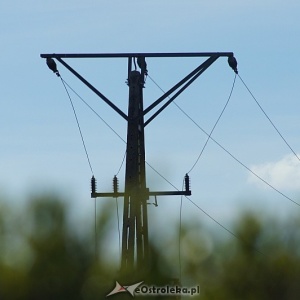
{"points": [[135, 245]]}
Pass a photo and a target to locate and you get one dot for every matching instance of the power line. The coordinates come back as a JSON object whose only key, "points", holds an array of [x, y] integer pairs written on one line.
{"points": [[225, 228], [110, 127], [89, 162], [118, 223], [207, 214], [211, 132], [94, 111], [78, 125], [264, 112], [96, 233], [208, 138], [242, 164], [180, 227], [237, 160], [65, 83], [122, 163]]}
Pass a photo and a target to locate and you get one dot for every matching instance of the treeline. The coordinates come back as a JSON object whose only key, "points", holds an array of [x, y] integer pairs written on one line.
{"points": [[43, 257]]}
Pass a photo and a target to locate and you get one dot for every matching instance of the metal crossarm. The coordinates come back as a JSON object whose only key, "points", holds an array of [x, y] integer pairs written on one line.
{"points": [[137, 54]]}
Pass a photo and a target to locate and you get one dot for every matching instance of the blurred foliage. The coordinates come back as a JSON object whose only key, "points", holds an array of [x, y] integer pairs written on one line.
{"points": [[43, 257]]}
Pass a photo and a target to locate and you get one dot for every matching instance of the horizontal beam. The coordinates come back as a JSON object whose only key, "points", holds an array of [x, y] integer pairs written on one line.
{"points": [[171, 193], [120, 55], [166, 193], [105, 195]]}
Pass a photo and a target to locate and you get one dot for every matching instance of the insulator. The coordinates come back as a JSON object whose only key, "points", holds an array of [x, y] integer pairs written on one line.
{"points": [[187, 182], [93, 185], [233, 63], [115, 184]]}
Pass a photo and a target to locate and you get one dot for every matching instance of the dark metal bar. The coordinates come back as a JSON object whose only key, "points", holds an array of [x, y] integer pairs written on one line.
{"points": [[171, 193], [180, 91], [180, 83], [120, 112], [120, 55], [165, 193], [101, 195], [129, 68]]}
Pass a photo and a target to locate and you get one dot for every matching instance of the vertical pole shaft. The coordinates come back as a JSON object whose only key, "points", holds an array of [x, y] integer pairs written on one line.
{"points": [[135, 223]]}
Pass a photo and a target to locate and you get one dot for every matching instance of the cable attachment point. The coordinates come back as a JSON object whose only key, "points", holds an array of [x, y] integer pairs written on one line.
{"points": [[93, 185], [233, 63], [52, 65], [187, 183], [115, 184]]}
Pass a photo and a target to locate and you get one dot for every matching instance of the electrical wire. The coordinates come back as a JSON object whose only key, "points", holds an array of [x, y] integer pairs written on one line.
{"points": [[118, 223], [229, 153], [96, 233], [179, 240], [117, 208], [109, 125], [207, 214], [269, 119], [93, 111], [89, 162], [118, 218], [216, 123], [122, 163], [238, 161], [78, 125], [100, 119], [225, 228]]}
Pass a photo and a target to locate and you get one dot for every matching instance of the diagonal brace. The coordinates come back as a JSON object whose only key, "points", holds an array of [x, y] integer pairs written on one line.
{"points": [[106, 100], [209, 62], [203, 66]]}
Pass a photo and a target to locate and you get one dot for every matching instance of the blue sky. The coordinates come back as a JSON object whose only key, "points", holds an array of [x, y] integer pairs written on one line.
{"points": [[41, 148]]}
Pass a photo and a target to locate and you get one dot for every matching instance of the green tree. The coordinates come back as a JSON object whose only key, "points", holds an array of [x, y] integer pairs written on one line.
{"points": [[42, 257]]}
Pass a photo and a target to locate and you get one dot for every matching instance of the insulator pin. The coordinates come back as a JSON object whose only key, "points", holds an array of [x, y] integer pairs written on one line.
{"points": [[187, 182], [115, 184], [93, 185]]}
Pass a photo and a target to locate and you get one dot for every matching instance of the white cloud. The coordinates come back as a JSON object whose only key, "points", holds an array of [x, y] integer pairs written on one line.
{"points": [[282, 174]]}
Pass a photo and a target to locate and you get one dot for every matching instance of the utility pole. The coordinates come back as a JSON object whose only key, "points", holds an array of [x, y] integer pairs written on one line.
{"points": [[135, 222], [135, 244]]}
